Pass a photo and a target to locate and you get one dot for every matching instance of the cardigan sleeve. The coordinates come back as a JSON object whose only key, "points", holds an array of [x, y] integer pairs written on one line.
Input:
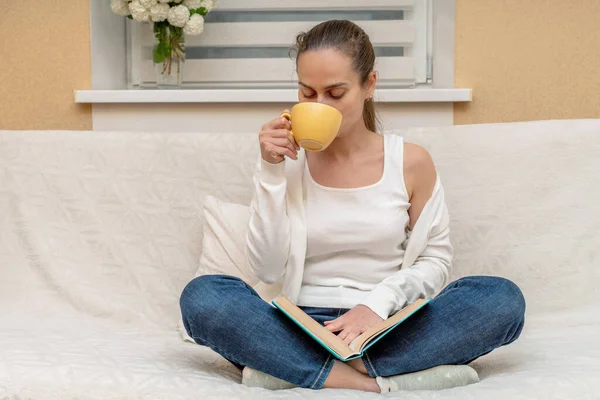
{"points": [[268, 237]]}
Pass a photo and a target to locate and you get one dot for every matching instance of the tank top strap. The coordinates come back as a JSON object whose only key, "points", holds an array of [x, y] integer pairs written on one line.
{"points": [[394, 154]]}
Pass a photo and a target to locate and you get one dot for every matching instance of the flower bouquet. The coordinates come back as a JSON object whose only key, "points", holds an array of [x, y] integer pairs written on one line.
{"points": [[172, 20]]}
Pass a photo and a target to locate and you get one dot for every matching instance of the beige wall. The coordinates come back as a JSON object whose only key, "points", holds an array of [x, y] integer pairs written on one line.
{"points": [[527, 60], [44, 56]]}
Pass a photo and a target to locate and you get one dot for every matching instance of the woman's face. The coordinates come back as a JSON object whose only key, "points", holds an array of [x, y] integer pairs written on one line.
{"points": [[326, 76]]}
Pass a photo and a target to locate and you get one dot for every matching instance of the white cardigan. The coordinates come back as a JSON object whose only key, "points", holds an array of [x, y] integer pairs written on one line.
{"points": [[276, 241]]}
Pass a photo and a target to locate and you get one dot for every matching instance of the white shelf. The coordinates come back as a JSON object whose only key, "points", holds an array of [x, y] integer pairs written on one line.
{"points": [[417, 95]]}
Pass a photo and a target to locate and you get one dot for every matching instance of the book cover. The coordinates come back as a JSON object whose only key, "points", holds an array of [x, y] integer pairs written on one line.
{"points": [[332, 342]]}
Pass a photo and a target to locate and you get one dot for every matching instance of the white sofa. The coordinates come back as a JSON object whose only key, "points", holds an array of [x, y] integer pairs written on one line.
{"points": [[100, 232]]}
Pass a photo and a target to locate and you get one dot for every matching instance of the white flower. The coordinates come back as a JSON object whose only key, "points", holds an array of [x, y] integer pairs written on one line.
{"points": [[178, 16], [192, 4], [195, 26], [159, 12], [176, 1], [148, 3], [138, 11], [120, 7], [164, 1], [209, 4]]}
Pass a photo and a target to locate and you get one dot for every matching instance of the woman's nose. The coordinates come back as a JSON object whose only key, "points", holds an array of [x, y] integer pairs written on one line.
{"points": [[322, 99]]}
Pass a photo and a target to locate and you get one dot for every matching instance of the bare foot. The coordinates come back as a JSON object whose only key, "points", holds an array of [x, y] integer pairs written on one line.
{"points": [[358, 365], [343, 376]]}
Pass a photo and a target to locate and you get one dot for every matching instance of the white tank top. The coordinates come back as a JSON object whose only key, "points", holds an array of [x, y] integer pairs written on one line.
{"points": [[354, 236]]}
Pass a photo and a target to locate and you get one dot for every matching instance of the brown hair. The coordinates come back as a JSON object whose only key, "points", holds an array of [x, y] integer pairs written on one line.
{"points": [[350, 39]]}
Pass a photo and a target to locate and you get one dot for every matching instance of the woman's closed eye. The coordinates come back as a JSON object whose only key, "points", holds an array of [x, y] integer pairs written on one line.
{"points": [[332, 94], [336, 94]]}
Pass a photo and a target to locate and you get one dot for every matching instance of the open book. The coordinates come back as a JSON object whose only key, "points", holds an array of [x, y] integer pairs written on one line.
{"points": [[332, 342]]}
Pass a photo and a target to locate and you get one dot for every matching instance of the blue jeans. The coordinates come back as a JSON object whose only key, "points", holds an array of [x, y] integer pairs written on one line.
{"points": [[469, 318]]}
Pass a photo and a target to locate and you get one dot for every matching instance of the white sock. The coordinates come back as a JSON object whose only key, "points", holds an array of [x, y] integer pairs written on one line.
{"points": [[255, 378], [436, 378]]}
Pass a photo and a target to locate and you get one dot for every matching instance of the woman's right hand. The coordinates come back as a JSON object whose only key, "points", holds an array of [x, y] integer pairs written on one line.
{"points": [[276, 141]]}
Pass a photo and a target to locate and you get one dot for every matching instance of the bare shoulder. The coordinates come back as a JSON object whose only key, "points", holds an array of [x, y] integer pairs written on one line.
{"points": [[416, 157], [419, 170]]}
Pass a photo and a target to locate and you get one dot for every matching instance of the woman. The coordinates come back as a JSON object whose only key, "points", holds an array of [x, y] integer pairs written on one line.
{"points": [[353, 233]]}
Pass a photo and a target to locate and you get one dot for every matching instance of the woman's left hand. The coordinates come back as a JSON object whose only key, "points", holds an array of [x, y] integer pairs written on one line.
{"points": [[353, 323]]}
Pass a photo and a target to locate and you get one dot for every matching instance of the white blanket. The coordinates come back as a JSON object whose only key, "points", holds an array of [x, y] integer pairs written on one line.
{"points": [[100, 232]]}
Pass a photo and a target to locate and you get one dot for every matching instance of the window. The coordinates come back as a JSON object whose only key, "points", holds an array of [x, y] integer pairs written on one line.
{"points": [[245, 44]]}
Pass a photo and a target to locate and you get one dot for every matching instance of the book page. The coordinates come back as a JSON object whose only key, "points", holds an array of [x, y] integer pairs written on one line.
{"points": [[358, 343], [327, 337]]}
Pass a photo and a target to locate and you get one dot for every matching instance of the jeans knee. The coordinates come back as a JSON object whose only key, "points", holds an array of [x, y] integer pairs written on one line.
{"points": [[499, 296], [200, 299], [510, 307], [513, 301]]}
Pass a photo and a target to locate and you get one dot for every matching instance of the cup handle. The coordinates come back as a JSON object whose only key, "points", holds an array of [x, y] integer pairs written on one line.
{"points": [[288, 116]]}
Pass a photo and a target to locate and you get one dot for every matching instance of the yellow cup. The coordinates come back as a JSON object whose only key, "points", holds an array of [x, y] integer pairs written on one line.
{"points": [[314, 125]]}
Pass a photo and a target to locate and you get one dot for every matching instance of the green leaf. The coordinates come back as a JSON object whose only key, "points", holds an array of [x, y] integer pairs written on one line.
{"points": [[202, 11], [160, 27], [157, 56], [169, 42], [158, 53], [162, 49], [167, 50]]}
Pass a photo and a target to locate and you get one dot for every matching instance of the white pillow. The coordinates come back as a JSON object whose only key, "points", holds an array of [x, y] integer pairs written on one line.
{"points": [[223, 247], [224, 230]]}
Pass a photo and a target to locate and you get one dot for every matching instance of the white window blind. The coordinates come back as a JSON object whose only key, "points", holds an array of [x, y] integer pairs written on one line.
{"points": [[246, 44]]}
